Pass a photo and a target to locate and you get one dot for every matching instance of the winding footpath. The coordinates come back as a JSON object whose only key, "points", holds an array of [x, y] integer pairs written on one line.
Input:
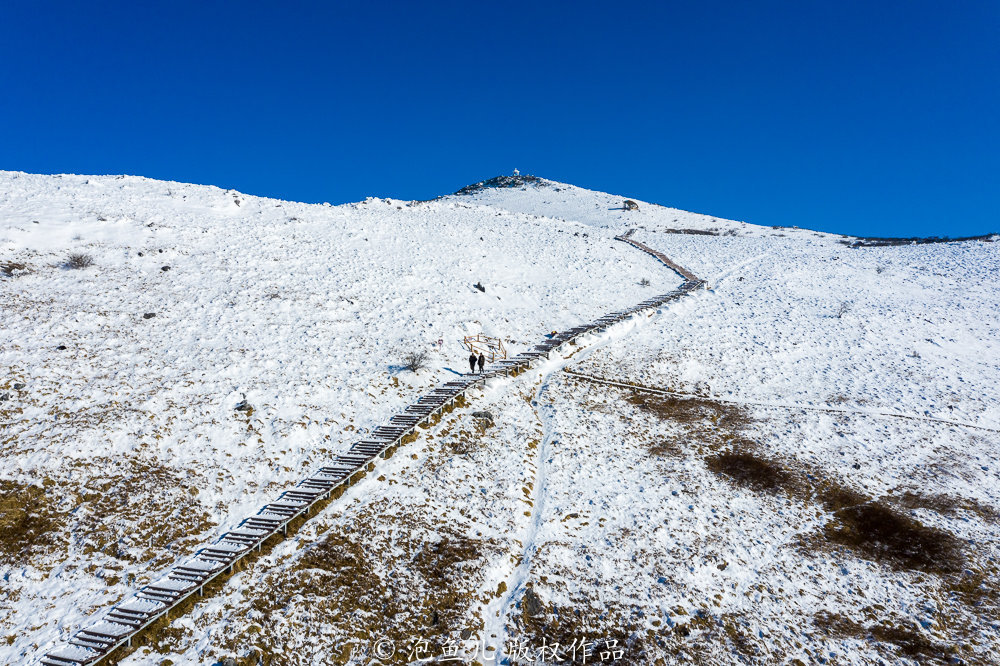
{"points": [[112, 635]]}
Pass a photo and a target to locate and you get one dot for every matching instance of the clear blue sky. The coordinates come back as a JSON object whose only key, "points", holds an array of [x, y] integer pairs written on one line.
{"points": [[876, 118]]}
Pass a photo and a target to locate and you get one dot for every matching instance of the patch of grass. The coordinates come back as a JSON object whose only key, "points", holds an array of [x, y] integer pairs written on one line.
{"points": [[12, 268], [78, 260], [340, 562], [401, 577], [29, 522], [909, 643], [977, 589], [442, 565], [463, 442], [871, 528], [664, 448], [584, 621], [705, 421], [836, 497], [140, 513], [887, 536], [698, 638], [946, 505], [746, 469]]}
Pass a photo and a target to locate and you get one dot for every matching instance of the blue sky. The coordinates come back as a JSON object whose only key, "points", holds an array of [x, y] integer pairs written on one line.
{"points": [[874, 118]]}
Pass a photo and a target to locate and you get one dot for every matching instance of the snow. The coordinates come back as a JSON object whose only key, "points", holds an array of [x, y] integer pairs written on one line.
{"points": [[146, 606], [172, 584], [110, 629], [305, 311], [73, 653]]}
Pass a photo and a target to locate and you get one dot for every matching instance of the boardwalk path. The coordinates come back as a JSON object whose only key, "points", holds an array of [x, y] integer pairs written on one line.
{"points": [[111, 636]]}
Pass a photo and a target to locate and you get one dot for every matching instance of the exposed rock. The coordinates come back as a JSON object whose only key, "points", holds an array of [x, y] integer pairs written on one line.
{"points": [[532, 604], [501, 182]]}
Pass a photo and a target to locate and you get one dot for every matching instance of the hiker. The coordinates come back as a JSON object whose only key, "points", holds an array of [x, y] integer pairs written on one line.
{"points": [[482, 362], [472, 363]]}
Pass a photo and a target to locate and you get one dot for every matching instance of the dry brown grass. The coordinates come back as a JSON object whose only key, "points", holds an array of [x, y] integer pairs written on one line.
{"points": [[706, 424], [464, 442], [585, 620], [79, 260], [29, 522], [871, 528], [746, 469], [443, 565], [12, 268], [946, 505], [699, 413], [384, 576], [884, 535], [701, 638], [835, 496], [664, 448], [139, 513], [906, 641]]}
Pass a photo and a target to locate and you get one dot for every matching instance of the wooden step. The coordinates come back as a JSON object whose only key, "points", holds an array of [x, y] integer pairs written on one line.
{"points": [[70, 656]]}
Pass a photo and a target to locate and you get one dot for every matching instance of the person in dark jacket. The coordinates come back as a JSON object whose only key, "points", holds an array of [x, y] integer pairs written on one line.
{"points": [[482, 362], [472, 363]]}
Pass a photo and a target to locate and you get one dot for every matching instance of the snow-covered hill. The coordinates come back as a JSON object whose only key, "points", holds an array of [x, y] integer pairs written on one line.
{"points": [[704, 527]]}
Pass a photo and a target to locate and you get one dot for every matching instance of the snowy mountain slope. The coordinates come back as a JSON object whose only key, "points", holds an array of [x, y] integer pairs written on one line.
{"points": [[307, 310]]}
